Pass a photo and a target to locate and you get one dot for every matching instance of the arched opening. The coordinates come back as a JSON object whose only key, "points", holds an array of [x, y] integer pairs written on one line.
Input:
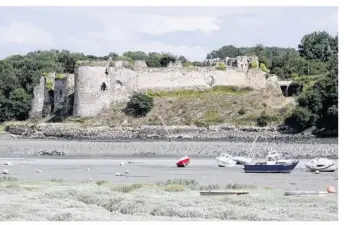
{"points": [[103, 87]]}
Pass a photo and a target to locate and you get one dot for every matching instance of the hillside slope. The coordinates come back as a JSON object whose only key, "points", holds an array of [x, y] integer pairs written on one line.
{"points": [[220, 105]]}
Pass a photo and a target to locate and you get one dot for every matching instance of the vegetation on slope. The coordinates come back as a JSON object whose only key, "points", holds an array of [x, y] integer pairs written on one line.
{"points": [[232, 105]]}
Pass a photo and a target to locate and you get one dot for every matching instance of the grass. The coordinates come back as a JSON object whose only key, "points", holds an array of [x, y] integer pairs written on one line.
{"points": [[219, 105], [189, 93], [170, 200]]}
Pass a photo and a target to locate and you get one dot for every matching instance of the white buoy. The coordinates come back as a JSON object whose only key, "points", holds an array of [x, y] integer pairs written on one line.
{"points": [[121, 164], [317, 172], [88, 169], [118, 174], [8, 163], [38, 171], [5, 171], [127, 171]]}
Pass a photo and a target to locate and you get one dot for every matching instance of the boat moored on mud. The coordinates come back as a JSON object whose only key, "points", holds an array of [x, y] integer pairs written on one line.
{"points": [[275, 163], [321, 165], [225, 160], [183, 162]]}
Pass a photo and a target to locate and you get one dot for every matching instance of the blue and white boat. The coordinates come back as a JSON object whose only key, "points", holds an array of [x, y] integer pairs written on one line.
{"points": [[275, 163]]}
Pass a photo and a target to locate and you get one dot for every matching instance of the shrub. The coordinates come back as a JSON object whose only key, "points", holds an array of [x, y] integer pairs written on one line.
{"points": [[263, 67], [174, 188], [300, 119], [242, 111], [221, 66], [60, 76], [254, 65], [187, 64], [263, 120], [166, 59], [49, 85], [139, 105]]}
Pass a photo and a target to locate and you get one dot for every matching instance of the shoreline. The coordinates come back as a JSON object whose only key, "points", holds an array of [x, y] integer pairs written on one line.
{"points": [[217, 133], [152, 141]]}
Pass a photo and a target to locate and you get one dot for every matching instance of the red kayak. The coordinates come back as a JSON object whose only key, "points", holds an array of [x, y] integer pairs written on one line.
{"points": [[183, 162]]}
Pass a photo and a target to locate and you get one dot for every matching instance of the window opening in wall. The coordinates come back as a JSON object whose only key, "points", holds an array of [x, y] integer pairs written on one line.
{"points": [[60, 93], [119, 82], [103, 87]]}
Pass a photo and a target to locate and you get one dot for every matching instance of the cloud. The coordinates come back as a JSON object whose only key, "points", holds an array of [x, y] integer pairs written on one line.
{"points": [[24, 33]]}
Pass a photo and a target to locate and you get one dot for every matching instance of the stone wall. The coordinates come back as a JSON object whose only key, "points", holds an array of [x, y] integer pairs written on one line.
{"points": [[122, 82], [48, 106], [38, 100], [92, 90], [98, 84], [64, 95]]}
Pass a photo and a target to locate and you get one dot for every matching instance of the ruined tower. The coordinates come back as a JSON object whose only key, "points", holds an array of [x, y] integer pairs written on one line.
{"points": [[92, 89]]}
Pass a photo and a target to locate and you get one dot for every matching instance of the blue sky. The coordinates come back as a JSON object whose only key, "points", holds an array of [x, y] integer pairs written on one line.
{"points": [[189, 31]]}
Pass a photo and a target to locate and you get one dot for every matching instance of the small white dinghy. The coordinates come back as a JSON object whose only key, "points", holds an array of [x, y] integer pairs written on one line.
{"points": [[321, 165], [225, 160]]}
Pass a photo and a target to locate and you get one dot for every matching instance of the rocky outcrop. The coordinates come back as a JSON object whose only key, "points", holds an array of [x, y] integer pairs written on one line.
{"points": [[178, 133]]}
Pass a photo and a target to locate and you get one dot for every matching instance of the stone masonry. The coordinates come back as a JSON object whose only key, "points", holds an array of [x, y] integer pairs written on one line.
{"points": [[96, 85]]}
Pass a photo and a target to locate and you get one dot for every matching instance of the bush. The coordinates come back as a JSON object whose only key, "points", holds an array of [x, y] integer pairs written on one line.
{"points": [[166, 59], [263, 120], [242, 111], [254, 65], [263, 67], [60, 76], [300, 119], [221, 66], [139, 105]]}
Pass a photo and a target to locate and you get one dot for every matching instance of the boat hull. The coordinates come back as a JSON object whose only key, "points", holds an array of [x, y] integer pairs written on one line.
{"points": [[183, 162], [331, 168], [321, 165], [242, 160], [222, 163], [264, 168]]}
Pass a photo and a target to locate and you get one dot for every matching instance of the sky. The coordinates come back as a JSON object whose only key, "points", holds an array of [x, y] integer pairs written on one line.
{"points": [[189, 31]]}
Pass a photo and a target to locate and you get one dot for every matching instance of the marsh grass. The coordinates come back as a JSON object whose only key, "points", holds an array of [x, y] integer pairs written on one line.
{"points": [[108, 201]]}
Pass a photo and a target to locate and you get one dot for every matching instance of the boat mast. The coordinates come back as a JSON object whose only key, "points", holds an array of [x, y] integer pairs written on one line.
{"points": [[169, 135], [252, 147]]}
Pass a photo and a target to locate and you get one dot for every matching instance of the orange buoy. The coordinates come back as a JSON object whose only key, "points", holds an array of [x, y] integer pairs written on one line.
{"points": [[331, 189]]}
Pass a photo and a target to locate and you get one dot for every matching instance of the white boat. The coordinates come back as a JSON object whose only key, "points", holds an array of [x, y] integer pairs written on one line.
{"points": [[242, 160], [321, 165], [225, 160]]}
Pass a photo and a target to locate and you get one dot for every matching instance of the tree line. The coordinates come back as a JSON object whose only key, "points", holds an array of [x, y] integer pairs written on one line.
{"points": [[317, 54]]}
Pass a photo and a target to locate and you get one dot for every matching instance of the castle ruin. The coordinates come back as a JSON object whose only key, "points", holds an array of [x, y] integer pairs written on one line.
{"points": [[96, 85]]}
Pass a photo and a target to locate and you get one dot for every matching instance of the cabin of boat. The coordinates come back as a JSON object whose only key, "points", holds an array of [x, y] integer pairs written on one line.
{"points": [[225, 160]]}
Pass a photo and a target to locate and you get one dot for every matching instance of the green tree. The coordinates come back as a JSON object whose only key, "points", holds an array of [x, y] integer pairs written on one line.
{"points": [[138, 55], [317, 46], [139, 105]]}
